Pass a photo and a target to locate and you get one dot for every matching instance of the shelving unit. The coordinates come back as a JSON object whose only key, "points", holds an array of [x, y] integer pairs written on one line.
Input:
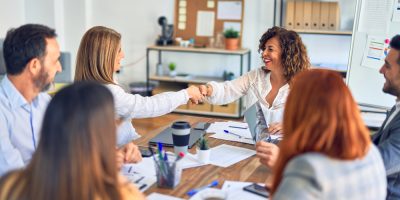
{"points": [[319, 52], [168, 83]]}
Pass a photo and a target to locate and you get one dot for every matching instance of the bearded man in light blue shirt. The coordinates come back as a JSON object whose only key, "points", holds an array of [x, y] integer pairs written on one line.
{"points": [[31, 54]]}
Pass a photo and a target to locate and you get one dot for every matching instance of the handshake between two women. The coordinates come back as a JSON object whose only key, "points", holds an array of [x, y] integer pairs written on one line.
{"points": [[197, 94]]}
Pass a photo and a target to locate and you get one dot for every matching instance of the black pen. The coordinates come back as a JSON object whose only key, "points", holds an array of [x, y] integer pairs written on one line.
{"points": [[142, 186], [237, 127], [141, 178]]}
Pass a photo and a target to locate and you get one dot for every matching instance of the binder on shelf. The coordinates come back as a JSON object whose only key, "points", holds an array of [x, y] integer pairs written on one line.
{"points": [[315, 15], [334, 16], [307, 15], [298, 14], [324, 16], [289, 19]]}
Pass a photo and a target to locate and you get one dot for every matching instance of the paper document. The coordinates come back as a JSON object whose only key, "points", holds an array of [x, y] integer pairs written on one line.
{"points": [[234, 189], [205, 23], [190, 161], [143, 174], [375, 16], [158, 196], [396, 11], [374, 120], [240, 130], [375, 52], [226, 155], [230, 10]]}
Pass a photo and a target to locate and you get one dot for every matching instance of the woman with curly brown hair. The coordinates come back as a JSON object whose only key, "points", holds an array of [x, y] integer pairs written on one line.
{"points": [[284, 55]]}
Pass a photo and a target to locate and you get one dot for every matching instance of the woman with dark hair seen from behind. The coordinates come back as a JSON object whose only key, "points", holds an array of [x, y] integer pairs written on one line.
{"points": [[74, 159], [284, 55], [326, 152]]}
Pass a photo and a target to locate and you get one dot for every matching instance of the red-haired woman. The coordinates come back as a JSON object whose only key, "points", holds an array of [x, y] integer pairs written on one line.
{"points": [[326, 152]]}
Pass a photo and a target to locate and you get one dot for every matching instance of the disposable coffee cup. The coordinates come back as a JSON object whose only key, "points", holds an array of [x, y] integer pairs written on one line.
{"points": [[180, 136]]}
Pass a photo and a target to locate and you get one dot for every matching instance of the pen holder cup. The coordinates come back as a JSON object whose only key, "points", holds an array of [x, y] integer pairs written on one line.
{"points": [[168, 171]]}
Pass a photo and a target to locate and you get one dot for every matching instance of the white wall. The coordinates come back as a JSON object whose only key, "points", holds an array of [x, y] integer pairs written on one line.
{"points": [[12, 14], [137, 22]]}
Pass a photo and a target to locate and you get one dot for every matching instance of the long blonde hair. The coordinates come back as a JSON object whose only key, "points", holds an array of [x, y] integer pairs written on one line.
{"points": [[96, 55], [321, 116]]}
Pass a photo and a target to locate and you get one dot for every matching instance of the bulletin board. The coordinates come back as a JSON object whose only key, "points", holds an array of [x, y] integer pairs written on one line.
{"points": [[202, 19]]}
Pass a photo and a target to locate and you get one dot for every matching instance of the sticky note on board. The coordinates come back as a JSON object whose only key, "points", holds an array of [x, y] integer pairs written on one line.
{"points": [[210, 4], [182, 3], [182, 18], [181, 25]]}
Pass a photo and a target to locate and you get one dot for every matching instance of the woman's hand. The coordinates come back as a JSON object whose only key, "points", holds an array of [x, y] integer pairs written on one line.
{"points": [[275, 128], [130, 153], [195, 94], [267, 152], [206, 90]]}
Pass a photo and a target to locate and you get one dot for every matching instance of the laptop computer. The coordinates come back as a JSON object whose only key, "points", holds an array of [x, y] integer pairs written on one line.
{"points": [[165, 136], [250, 116]]}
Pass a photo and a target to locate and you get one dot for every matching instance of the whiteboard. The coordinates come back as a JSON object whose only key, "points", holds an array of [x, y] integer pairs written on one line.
{"points": [[366, 83]]}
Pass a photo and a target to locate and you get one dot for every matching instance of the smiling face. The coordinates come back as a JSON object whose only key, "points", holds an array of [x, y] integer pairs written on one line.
{"points": [[118, 58], [391, 73], [271, 56], [49, 65]]}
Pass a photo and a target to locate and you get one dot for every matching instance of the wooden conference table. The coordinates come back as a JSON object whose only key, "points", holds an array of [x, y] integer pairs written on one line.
{"points": [[249, 170]]}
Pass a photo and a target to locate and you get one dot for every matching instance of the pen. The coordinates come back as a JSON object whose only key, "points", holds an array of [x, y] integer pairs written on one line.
{"points": [[229, 132], [238, 127], [142, 186], [141, 178], [129, 170], [194, 191]]}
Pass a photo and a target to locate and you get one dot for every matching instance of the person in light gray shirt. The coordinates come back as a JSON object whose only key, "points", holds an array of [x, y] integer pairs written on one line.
{"points": [[326, 152]]}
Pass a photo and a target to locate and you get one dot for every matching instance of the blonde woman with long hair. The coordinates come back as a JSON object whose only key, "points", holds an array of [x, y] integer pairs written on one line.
{"points": [[99, 56]]}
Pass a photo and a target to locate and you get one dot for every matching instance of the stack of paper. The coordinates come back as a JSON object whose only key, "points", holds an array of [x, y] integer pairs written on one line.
{"points": [[226, 155], [143, 174], [240, 130]]}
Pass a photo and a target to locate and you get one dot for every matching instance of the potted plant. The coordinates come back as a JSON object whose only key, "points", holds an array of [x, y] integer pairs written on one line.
{"points": [[203, 150], [172, 68], [231, 39]]}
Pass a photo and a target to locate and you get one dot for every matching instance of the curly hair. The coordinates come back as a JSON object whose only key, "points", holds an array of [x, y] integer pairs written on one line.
{"points": [[294, 53]]}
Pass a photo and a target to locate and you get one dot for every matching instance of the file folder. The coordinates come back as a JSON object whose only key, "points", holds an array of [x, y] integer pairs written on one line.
{"points": [[324, 16], [334, 16], [289, 19], [298, 14], [316, 14], [307, 14]]}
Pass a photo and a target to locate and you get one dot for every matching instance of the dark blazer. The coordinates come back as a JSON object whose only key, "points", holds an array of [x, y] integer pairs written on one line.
{"points": [[388, 142]]}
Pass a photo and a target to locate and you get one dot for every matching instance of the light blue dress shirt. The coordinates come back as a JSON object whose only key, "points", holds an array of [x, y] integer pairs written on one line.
{"points": [[20, 124]]}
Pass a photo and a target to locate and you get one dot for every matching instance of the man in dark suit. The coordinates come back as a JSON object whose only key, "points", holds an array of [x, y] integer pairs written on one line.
{"points": [[388, 137]]}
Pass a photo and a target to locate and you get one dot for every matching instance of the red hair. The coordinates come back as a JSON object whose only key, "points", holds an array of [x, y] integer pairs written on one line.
{"points": [[321, 116]]}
